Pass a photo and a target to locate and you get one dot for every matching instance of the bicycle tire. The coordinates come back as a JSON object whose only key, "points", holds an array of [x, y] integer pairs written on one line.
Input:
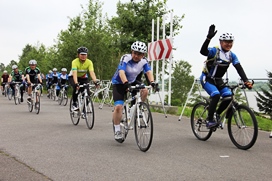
{"points": [[37, 104], [65, 98], [143, 128], [60, 98], [89, 112], [242, 127], [30, 106], [75, 117], [15, 96], [198, 121], [9, 93]]}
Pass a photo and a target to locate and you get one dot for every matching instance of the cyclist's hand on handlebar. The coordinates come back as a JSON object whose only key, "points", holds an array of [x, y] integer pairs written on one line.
{"points": [[76, 86], [97, 83], [248, 84], [127, 86], [155, 86], [211, 32]]}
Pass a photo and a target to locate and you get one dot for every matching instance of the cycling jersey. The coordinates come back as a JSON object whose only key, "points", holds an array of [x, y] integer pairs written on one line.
{"points": [[55, 77], [82, 68], [218, 62], [132, 69], [17, 77], [63, 78], [48, 77], [32, 74], [5, 77]]}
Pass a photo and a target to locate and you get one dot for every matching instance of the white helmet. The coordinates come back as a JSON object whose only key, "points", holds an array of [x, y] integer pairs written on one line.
{"points": [[32, 62], [55, 69], [5, 71], [14, 67], [64, 70], [139, 47], [226, 36], [50, 71]]}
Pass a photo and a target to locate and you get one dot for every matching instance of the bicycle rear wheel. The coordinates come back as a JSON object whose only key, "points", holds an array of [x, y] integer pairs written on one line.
{"points": [[37, 104], [198, 121], [89, 112], [65, 98], [243, 127], [75, 117], [143, 127]]}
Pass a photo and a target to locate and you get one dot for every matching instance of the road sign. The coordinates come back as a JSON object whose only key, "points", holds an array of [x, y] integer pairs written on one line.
{"points": [[161, 49]]}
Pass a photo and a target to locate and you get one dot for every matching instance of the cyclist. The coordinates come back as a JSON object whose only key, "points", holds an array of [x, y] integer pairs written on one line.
{"points": [[80, 67], [17, 76], [55, 76], [62, 80], [216, 65], [48, 78], [4, 80], [130, 66], [32, 76]]}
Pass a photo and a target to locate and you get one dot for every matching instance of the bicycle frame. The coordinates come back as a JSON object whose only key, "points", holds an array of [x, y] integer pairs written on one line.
{"points": [[81, 98], [136, 108]]}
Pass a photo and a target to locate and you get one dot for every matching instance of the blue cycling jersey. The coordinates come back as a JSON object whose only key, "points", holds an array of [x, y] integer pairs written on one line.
{"points": [[132, 69]]}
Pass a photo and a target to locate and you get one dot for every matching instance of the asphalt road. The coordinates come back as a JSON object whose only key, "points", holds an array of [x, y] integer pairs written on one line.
{"points": [[48, 146]]}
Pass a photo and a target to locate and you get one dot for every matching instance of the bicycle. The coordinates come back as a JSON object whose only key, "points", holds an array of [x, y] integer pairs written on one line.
{"points": [[17, 93], [63, 96], [53, 92], [242, 124], [8, 91], [102, 91], [85, 108], [35, 98], [139, 116]]}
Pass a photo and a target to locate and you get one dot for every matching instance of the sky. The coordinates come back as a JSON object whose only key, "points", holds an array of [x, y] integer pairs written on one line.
{"points": [[39, 21]]}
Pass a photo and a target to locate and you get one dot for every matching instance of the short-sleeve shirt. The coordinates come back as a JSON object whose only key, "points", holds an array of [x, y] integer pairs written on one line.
{"points": [[17, 77], [132, 69], [32, 74], [82, 68], [5, 77]]}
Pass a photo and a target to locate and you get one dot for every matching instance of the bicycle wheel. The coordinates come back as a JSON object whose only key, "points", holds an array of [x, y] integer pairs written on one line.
{"points": [[30, 105], [243, 127], [89, 112], [65, 98], [9, 93], [37, 103], [16, 100], [143, 127], [75, 117], [123, 125], [60, 98], [198, 121]]}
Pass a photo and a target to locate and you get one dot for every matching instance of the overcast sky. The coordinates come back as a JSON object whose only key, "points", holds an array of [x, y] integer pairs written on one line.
{"points": [[32, 21]]}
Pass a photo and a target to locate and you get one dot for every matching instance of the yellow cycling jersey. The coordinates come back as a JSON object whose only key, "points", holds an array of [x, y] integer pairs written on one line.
{"points": [[82, 68]]}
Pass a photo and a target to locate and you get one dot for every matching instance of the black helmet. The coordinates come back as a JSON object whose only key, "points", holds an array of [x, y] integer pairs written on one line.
{"points": [[82, 50]]}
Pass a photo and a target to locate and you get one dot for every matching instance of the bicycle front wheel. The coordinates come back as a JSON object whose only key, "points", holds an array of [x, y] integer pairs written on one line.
{"points": [[65, 98], [243, 127], [16, 100], [30, 105], [89, 112], [143, 127], [9, 93], [37, 104], [198, 121], [75, 117], [60, 98]]}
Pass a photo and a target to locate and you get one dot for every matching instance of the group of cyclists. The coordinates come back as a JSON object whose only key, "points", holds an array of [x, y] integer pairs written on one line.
{"points": [[135, 63]]}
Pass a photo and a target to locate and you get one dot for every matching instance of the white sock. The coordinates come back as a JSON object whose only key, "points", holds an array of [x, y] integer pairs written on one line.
{"points": [[117, 128]]}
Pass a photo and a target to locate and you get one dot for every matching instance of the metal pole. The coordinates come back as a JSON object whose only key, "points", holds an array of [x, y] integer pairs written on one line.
{"points": [[163, 60], [158, 37], [152, 40], [170, 63]]}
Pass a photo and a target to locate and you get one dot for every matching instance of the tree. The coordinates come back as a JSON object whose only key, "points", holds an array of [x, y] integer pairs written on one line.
{"points": [[181, 82], [264, 99]]}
